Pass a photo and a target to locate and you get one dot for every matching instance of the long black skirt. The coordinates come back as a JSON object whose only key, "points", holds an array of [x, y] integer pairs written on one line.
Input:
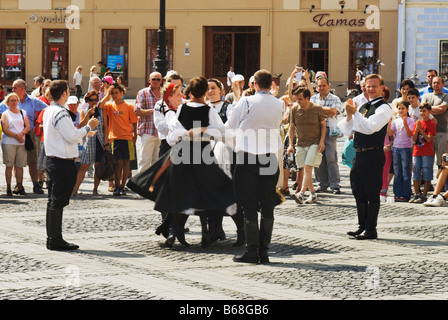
{"points": [[185, 186]]}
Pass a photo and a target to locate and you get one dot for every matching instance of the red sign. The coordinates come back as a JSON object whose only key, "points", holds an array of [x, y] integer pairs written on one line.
{"points": [[13, 60]]}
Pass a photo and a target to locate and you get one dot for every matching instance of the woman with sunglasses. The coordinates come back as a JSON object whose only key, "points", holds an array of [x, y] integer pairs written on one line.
{"points": [[93, 149]]}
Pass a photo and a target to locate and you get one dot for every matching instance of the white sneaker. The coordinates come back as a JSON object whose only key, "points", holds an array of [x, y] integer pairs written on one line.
{"points": [[435, 202], [430, 200], [298, 197], [311, 199]]}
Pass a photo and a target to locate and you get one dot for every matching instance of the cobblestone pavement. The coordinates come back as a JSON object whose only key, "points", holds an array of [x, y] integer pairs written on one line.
{"points": [[312, 258]]}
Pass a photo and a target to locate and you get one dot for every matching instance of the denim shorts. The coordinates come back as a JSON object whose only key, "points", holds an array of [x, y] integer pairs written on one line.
{"points": [[425, 165]]}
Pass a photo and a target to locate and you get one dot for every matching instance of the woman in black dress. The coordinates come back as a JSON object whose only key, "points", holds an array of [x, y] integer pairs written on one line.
{"points": [[189, 180]]}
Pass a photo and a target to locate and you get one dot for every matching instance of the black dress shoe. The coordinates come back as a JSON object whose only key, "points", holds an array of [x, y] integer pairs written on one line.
{"points": [[264, 258], [248, 257], [181, 238], [355, 233], [169, 242], [336, 191], [60, 245], [367, 236]]}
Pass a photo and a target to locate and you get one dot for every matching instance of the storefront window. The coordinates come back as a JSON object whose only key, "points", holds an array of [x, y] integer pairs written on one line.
{"points": [[152, 42], [364, 48], [55, 54], [115, 52], [12, 55], [443, 59]]}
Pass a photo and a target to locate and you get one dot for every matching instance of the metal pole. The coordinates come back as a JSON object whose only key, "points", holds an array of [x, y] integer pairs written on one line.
{"points": [[160, 62]]}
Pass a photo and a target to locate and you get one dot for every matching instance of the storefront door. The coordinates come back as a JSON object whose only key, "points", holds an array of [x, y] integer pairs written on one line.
{"points": [[232, 46], [55, 57], [315, 51]]}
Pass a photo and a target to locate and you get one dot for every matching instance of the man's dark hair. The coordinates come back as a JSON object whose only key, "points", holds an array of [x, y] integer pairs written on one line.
{"points": [[175, 76], [302, 90], [432, 70], [263, 78], [57, 88], [117, 86]]}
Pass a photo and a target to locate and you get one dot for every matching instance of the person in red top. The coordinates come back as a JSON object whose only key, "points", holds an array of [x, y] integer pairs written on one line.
{"points": [[122, 133], [423, 155]]}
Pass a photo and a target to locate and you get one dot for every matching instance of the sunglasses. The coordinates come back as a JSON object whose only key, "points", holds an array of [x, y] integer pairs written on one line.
{"points": [[93, 100], [156, 79]]}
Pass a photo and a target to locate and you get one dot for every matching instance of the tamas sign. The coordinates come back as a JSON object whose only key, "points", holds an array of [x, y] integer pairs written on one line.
{"points": [[372, 21]]}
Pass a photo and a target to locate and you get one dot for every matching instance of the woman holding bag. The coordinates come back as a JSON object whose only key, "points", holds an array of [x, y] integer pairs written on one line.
{"points": [[15, 126], [93, 149]]}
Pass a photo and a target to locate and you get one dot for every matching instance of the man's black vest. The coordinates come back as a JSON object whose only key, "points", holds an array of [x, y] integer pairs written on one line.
{"points": [[376, 139]]}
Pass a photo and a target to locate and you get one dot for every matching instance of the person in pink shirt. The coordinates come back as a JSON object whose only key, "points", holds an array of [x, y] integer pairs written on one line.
{"points": [[401, 129]]}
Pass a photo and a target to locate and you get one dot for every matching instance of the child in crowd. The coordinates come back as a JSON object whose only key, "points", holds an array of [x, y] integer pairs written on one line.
{"points": [[402, 145], [423, 155], [122, 133], [414, 111]]}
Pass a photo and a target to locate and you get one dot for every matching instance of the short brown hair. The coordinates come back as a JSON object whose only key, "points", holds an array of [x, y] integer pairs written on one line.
{"points": [[57, 88], [263, 78], [375, 76]]}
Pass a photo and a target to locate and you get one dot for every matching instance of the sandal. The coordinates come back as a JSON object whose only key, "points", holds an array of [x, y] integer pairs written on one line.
{"points": [[284, 191]]}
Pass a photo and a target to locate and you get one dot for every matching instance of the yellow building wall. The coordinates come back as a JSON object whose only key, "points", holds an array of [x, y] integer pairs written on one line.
{"points": [[280, 33]]}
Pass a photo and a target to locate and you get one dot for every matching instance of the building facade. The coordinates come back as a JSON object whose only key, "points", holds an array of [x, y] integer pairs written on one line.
{"points": [[423, 38], [53, 37]]}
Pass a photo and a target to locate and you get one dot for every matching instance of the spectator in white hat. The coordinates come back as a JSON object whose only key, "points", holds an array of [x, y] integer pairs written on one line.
{"points": [[240, 81]]}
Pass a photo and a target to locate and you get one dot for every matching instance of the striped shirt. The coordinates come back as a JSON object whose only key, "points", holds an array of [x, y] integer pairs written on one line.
{"points": [[331, 101], [146, 99]]}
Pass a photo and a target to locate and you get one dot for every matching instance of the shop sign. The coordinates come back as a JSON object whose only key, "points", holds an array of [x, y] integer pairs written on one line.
{"points": [[371, 22], [323, 20], [56, 18]]}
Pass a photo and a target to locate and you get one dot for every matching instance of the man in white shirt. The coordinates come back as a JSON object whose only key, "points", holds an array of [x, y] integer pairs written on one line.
{"points": [[61, 147], [77, 82], [230, 76], [368, 123], [257, 120]]}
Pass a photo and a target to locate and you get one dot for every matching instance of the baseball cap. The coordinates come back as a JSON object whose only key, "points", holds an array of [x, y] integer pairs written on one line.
{"points": [[321, 74], [238, 77], [72, 99]]}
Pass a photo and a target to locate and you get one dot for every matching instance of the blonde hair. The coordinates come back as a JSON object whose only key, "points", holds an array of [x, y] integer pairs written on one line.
{"points": [[9, 96]]}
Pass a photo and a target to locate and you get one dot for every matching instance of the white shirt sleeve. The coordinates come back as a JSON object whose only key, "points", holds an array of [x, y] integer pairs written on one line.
{"points": [[375, 122]]}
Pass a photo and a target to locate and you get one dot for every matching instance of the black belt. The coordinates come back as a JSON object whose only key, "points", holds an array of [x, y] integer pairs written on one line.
{"points": [[52, 157], [367, 149]]}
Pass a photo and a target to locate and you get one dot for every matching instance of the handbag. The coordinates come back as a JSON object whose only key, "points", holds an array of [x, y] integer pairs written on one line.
{"points": [[29, 144], [106, 167]]}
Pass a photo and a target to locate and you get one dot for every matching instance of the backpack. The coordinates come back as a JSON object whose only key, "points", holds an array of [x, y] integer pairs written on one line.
{"points": [[106, 168]]}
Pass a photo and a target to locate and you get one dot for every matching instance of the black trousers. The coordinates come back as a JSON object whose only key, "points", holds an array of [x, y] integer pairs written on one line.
{"points": [[78, 91], [62, 179], [366, 176], [254, 180], [366, 182]]}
